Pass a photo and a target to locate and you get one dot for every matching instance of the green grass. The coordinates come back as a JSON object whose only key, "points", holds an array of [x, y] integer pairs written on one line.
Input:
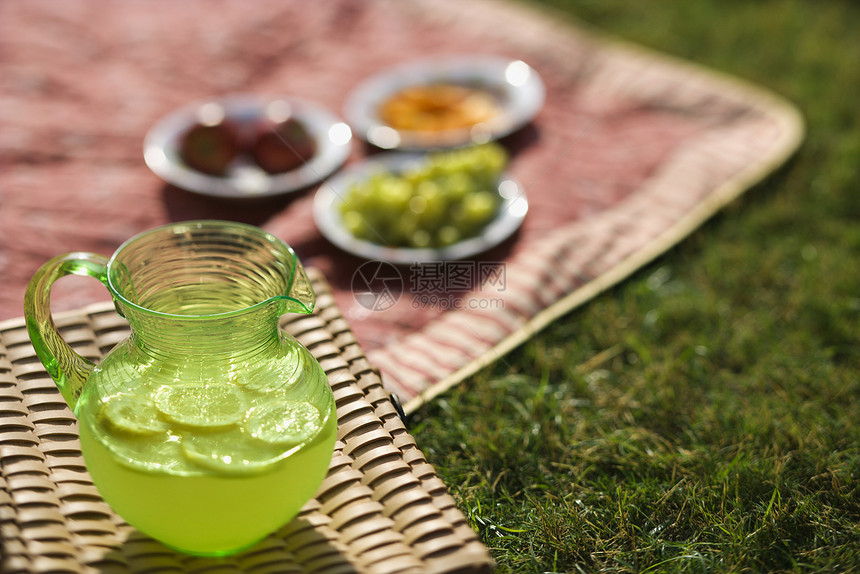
{"points": [[703, 416]]}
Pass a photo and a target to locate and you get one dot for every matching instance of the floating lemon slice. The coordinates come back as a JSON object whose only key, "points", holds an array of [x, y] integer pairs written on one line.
{"points": [[201, 405], [283, 423], [280, 378], [132, 415], [160, 452], [229, 452]]}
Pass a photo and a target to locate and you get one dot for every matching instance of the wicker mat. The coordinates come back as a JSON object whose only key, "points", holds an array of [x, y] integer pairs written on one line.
{"points": [[382, 508]]}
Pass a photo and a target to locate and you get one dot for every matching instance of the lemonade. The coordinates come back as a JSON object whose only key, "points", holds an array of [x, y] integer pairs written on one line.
{"points": [[208, 468]]}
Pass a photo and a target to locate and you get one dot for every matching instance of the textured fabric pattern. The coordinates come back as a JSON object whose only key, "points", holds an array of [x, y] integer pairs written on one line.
{"points": [[631, 152]]}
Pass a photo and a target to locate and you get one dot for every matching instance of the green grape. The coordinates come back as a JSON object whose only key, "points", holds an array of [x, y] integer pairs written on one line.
{"points": [[403, 229], [448, 235], [418, 204], [437, 201], [394, 194], [420, 238], [487, 164], [456, 186], [475, 210], [355, 224], [358, 198], [435, 169], [434, 203]]}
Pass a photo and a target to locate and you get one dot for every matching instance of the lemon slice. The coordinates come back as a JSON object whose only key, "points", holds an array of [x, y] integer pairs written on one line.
{"points": [[132, 415], [283, 423], [229, 452], [160, 452], [278, 377], [201, 405]]}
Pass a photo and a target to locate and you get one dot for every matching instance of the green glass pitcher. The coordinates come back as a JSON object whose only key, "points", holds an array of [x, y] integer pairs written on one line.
{"points": [[208, 427]]}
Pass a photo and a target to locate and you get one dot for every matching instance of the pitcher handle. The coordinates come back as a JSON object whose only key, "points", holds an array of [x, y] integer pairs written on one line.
{"points": [[68, 369]]}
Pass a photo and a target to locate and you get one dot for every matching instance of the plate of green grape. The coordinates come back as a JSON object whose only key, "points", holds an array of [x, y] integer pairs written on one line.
{"points": [[408, 208]]}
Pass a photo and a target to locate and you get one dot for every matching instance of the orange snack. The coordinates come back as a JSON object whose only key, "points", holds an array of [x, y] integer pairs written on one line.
{"points": [[438, 107]]}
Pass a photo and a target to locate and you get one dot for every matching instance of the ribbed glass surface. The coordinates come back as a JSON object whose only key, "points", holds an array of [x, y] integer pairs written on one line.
{"points": [[202, 269]]}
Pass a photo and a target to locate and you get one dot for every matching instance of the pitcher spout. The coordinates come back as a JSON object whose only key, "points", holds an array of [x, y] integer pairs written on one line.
{"points": [[300, 297]]}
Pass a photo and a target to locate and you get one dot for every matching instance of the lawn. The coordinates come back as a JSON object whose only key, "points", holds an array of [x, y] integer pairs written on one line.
{"points": [[702, 415]]}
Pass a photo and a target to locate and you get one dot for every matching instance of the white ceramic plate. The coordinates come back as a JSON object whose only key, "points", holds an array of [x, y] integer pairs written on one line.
{"points": [[331, 194], [244, 179], [518, 87]]}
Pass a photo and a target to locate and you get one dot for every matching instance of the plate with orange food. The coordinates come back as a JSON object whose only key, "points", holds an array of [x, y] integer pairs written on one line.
{"points": [[247, 145], [445, 102]]}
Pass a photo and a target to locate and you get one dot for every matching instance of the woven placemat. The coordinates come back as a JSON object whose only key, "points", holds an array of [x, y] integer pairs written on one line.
{"points": [[381, 509]]}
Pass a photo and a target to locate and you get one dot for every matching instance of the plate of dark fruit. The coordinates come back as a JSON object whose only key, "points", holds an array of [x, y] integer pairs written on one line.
{"points": [[247, 146]]}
